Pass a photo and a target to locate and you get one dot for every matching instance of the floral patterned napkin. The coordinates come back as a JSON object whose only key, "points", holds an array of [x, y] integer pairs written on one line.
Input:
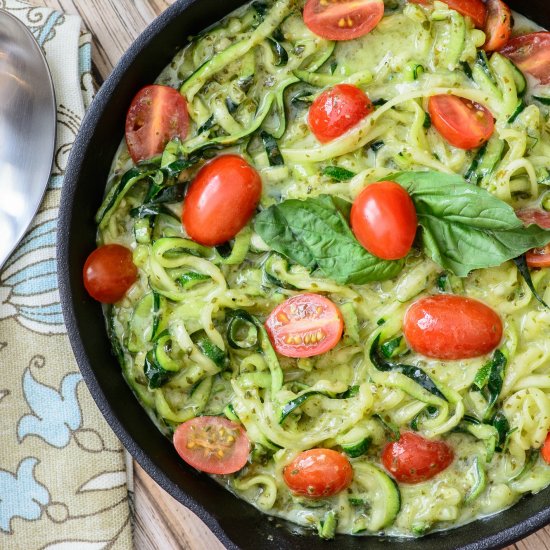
{"points": [[63, 482]]}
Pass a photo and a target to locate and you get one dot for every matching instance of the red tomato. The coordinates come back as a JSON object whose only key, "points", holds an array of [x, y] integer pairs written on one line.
{"points": [[531, 53], [109, 272], [212, 444], [498, 27], [414, 459], [451, 327], [318, 473], [545, 451], [538, 257], [461, 122], [530, 216], [474, 9], [304, 325], [338, 110], [221, 200], [383, 219], [156, 115], [342, 19]]}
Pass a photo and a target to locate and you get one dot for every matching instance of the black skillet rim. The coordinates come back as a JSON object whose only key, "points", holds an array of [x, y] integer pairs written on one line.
{"points": [[84, 139]]}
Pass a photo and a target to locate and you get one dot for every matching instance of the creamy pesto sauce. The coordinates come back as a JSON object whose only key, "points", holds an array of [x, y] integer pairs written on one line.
{"points": [[438, 504]]}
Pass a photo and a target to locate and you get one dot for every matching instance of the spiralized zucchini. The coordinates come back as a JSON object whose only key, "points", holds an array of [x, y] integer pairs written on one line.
{"points": [[255, 74]]}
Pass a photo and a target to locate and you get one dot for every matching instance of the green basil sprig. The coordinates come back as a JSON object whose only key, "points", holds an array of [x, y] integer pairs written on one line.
{"points": [[315, 234], [463, 227]]}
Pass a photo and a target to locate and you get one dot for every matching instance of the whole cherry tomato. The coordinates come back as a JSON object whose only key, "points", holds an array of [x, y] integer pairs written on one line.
{"points": [[498, 27], [338, 110], [221, 200], [463, 123], [212, 444], [157, 115], [414, 459], [109, 272], [451, 327], [305, 325], [545, 451], [342, 19], [383, 219], [531, 53], [318, 473]]}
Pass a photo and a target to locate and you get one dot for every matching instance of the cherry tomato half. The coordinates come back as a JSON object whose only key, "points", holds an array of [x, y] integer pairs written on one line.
{"points": [[338, 110], [305, 325], [221, 200], [212, 444], [383, 219], [318, 473], [451, 327], [109, 272], [156, 115], [537, 216], [342, 19], [531, 53], [538, 257], [414, 459], [463, 123], [545, 451], [475, 9], [498, 27]]}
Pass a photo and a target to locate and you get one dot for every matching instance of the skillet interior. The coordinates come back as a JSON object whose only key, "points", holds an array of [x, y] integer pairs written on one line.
{"points": [[236, 523]]}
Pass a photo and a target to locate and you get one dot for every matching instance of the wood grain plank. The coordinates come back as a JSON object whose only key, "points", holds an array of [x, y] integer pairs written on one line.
{"points": [[162, 523]]}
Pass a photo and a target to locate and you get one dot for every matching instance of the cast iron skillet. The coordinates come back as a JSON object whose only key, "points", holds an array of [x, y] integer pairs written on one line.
{"points": [[235, 523]]}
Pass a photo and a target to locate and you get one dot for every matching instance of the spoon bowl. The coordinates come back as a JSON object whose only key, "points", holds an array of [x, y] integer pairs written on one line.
{"points": [[27, 130]]}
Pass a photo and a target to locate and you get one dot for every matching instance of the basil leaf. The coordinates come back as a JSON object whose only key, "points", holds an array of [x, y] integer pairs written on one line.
{"points": [[315, 234], [465, 227]]}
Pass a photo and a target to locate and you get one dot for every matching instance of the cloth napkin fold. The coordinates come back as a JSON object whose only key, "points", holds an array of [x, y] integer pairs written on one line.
{"points": [[63, 479]]}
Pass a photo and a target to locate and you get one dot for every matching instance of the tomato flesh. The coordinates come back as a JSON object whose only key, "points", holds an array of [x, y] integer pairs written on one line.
{"points": [[414, 459], [545, 451], [383, 219], [318, 473], [538, 257], [342, 19], [221, 200], [109, 272], [156, 115], [474, 9], [537, 216], [305, 325], [451, 327], [338, 110], [212, 444], [462, 123], [498, 27], [531, 53]]}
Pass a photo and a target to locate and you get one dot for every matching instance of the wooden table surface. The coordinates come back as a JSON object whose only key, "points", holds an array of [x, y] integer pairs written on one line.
{"points": [[161, 523]]}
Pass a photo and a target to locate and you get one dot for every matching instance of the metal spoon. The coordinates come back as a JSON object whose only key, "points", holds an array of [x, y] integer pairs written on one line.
{"points": [[27, 130]]}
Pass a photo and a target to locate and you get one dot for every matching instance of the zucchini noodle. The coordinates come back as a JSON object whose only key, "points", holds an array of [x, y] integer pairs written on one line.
{"points": [[190, 336]]}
